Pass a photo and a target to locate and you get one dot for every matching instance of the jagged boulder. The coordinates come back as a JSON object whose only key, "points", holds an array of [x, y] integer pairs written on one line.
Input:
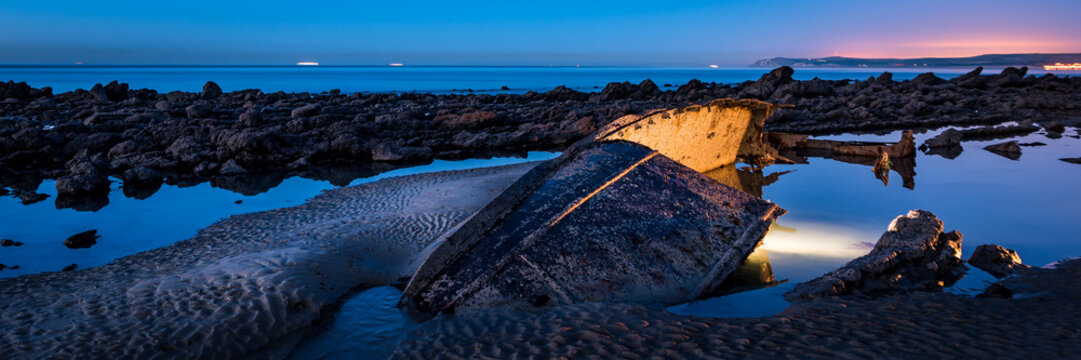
{"points": [[306, 110], [996, 260], [211, 91], [116, 91], [768, 83], [82, 240], [928, 79], [948, 138], [1010, 149], [99, 94], [231, 167], [914, 254]]}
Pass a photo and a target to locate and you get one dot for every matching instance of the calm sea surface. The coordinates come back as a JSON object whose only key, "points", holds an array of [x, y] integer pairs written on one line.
{"points": [[421, 79]]}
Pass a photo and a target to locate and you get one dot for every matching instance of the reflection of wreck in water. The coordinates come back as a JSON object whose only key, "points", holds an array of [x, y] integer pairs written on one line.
{"points": [[624, 216], [748, 180], [754, 273], [901, 155]]}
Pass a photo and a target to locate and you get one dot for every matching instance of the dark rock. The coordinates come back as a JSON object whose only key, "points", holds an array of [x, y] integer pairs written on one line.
{"points": [[562, 93], [187, 149], [82, 185], [251, 118], [948, 138], [768, 83], [805, 89], [116, 91], [70, 267], [886, 78], [196, 111], [1076, 160], [996, 260], [972, 79], [83, 240], [914, 254], [7, 242], [996, 290], [231, 167], [927, 79], [394, 153], [306, 110], [16, 90], [142, 175], [1009, 149], [951, 152], [211, 91], [1054, 127], [30, 197], [99, 94], [470, 119]]}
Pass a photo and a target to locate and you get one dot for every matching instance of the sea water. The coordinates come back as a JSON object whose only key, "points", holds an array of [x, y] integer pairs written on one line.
{"points": [[417, 78]]}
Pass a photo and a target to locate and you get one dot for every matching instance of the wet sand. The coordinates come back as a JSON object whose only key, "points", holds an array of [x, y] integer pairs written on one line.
{"points": [[249, 285], [1040, 322]]}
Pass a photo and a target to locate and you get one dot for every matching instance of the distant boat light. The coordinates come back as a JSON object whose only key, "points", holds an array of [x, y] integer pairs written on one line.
{"points": [[713, 66], [307, 63], [395, 64], [1061, 66]]}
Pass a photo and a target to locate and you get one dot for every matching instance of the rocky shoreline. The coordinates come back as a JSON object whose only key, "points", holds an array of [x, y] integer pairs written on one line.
{"points": [[84, 137]]}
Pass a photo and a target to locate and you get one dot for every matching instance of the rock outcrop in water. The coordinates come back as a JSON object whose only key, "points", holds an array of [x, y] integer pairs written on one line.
{"points": [[947, 144], [189, 137], [914, 254], [1010, 149], [82, 240], [996, 260]]}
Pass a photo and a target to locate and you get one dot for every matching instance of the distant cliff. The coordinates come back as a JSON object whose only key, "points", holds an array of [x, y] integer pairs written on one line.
{"points": [[991, 60]]}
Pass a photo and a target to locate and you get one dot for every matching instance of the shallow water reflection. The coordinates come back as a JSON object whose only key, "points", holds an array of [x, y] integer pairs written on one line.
{"points": [[369, 328], [837, 211]]}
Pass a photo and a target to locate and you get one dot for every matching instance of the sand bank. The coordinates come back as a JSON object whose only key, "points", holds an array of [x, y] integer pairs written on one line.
{"points": [[248, 285]]}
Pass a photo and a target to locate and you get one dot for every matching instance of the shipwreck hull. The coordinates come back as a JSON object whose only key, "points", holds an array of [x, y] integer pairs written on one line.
{"points": [[610, 221]]}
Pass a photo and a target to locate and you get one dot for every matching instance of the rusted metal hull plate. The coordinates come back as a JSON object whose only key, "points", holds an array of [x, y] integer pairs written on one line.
{"points": [[611, 222]]}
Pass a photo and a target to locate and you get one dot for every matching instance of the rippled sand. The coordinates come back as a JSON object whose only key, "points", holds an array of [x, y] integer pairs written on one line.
{"points": [[251, 284], [1041, 322]]}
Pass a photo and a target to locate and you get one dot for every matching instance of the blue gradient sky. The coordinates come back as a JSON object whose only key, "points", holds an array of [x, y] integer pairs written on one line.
{"points": [[628, 32]]}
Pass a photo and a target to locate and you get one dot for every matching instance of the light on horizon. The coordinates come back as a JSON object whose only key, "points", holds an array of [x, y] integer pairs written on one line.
{"points": [[395, 64], [1061, 66], [713, 66], [307, 63]]}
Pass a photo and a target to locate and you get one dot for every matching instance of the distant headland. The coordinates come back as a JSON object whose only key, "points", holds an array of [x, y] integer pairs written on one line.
{"points": [[990, 60]]}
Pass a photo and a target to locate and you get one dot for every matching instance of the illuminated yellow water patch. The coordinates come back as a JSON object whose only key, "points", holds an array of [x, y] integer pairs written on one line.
{"points": [[818, 239]]}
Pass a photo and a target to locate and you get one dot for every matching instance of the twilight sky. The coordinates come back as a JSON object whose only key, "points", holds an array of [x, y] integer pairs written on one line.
{"points": [[554, 32]]}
